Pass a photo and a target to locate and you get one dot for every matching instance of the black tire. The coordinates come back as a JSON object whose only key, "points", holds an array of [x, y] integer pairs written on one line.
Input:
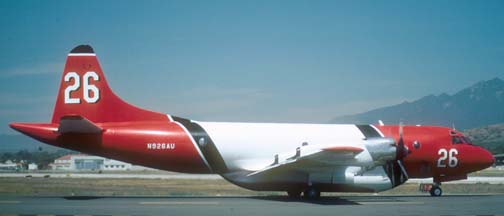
{"points": [[436, 191], [311, 193]]}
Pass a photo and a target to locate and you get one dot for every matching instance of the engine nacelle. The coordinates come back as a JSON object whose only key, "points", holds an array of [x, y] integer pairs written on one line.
{"points": [[381, 149], [375, 179]]}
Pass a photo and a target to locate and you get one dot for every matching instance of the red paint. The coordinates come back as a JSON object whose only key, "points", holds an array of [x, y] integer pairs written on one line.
{"points": [[128, 141], [127, 130], [423, 162], [43, 132], [344, 149], [109, 108]]}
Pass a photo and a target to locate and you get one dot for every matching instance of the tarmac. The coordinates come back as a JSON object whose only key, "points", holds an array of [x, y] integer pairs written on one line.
{"points": [[469, 180], [255, 205]]}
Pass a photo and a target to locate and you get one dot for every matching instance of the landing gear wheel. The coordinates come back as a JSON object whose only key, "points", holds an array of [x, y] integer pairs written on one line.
{"points": [[436, 191], [311, 193], [294, 194]]}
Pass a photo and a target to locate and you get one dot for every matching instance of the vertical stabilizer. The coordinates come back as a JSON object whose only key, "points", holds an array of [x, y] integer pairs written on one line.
{"points": [[84, 91]]}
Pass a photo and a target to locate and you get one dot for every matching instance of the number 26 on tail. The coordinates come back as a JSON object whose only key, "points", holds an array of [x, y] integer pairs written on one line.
{"points": [[87, 88]]}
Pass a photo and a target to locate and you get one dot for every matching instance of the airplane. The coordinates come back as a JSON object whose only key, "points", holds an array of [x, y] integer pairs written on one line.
{"points": [[300, 159]]}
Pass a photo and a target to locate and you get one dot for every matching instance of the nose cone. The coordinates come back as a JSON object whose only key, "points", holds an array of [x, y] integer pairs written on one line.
{"points": [[486, 159], [475, 158]]}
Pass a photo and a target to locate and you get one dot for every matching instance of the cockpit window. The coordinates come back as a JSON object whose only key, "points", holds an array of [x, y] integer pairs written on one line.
{"points": [[460, 140], [457, 140]]}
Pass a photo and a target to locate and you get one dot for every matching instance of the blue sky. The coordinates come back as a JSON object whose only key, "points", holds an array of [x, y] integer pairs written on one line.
{"points": [[257, 61]]}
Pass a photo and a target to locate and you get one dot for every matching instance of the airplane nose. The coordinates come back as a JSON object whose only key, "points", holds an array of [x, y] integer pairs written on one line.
{"points": [[487, 159]]}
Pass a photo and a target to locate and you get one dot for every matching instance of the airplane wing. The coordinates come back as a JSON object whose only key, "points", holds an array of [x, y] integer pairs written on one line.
{"points": [[311, 157]]}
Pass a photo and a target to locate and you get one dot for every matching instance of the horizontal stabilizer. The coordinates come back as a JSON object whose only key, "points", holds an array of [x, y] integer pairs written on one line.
{"points": [[77, 124]]}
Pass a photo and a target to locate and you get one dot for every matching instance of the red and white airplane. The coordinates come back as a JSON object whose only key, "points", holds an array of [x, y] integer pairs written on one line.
{"points": [[297, 158]]}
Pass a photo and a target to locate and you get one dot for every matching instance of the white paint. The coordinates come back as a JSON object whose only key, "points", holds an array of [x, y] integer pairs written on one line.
{"points": [[81, 54], [69, 89], [450, 155], [90, 88], [452, 160], [87, 87], [238, 142], [161, 146]]}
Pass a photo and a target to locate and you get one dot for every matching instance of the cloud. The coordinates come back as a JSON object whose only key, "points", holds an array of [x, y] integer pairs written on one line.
{"points": [[17, 112], [36, 69], [13, 99]]}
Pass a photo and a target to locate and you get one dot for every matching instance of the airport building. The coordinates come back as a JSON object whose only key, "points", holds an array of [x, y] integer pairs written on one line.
{"points": [[10, 166], [76, 162], [32, 166]]}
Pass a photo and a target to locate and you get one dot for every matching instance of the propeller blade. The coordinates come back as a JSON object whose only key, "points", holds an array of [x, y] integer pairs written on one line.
{"points": [[400, 130], [403, 170], [401, 150], [395, 168]]}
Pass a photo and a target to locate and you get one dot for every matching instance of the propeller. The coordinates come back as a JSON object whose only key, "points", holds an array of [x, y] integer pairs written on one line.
{"points": [[395, 168], [402, 151]]}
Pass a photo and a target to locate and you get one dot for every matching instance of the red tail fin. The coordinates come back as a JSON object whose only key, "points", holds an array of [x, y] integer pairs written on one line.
{"points": [[84, 91]]}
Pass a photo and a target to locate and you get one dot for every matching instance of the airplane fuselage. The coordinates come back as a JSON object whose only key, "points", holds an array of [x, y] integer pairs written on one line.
{"points": [[88, 117]]}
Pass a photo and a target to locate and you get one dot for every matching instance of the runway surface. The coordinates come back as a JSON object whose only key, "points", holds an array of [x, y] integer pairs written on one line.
{"points": [[275, 205], [469, 180]]}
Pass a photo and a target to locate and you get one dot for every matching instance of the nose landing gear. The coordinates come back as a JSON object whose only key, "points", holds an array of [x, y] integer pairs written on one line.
{"points": [[436, 190]]}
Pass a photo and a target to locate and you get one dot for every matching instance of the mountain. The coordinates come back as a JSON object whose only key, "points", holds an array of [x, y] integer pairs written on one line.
{"points": [[18, 142], [490, 137], [479, 105]]}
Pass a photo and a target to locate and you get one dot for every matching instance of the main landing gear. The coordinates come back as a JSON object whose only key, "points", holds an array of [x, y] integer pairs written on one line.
{"points": [[436, 190], [310, 193]]}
